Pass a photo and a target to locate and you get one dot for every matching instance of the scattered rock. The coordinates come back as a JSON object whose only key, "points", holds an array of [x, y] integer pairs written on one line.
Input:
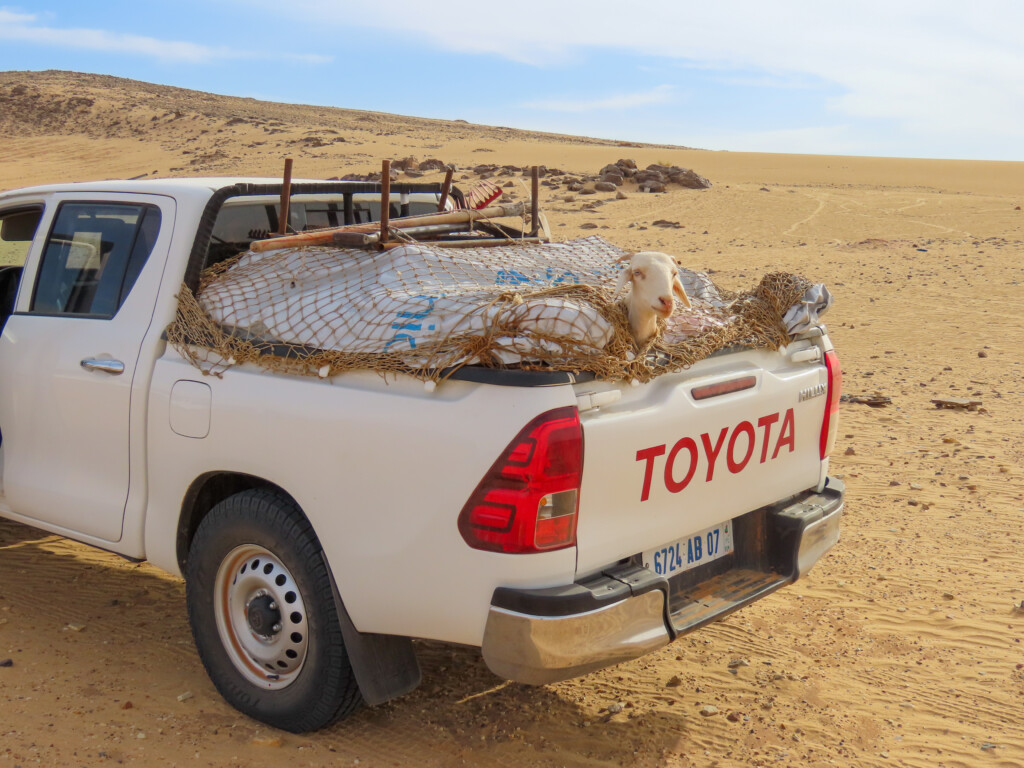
{"points": [[267, 741], [7, 663], [957, 403], [875, 401], [588, 225], [734, 717], [185, 696], [615, 708], [432, 164], [708, 710], [738, 663], [605, 186], [982, 353], [849, 451], [75, 627], [674, 682], [127, 705], [620, 195]]}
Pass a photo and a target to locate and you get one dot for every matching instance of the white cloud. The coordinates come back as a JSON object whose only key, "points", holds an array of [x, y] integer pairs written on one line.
{"points": [[945, 69], [659, 95], [24, 28]]}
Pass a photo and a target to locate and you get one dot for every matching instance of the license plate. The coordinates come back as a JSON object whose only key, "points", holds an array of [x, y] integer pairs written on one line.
{"points": [[690, 551]]}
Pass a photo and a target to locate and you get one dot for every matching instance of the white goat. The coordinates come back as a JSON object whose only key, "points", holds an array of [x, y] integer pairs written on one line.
{"points": [[653, 280]]}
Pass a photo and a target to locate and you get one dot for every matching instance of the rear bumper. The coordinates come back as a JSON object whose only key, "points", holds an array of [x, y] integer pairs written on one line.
{"points": [[542, 636]]}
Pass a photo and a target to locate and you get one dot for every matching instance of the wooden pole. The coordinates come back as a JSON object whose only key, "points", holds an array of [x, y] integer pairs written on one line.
{"points": [[446, 189], [326, 236], [385, 199], [534, 200], [286, 198], [467, 243]]}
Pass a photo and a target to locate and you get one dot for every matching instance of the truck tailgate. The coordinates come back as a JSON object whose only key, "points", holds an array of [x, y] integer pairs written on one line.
{"points": [[681, 454]]}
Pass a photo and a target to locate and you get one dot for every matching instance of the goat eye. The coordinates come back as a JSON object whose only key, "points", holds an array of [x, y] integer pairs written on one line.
{"points": [[638, 273]]}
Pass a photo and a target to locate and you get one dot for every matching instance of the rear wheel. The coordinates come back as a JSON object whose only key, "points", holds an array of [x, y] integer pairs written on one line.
{"points": [[263, 615]]}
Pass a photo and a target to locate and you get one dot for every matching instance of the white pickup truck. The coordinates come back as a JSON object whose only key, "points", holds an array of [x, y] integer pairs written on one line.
{"points": [[559, 522]]}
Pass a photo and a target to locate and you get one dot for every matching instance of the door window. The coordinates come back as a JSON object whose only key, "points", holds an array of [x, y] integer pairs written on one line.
{"points": [[93, 256]]}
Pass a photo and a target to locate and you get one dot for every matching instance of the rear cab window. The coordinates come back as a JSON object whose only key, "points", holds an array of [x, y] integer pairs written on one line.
{"points": [[243, 220]]}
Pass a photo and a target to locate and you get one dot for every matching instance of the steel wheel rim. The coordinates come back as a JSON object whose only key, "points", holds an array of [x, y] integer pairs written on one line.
{"points": [[252, 589]]}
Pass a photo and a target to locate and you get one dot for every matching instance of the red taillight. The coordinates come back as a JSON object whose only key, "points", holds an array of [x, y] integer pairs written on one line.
{"points": [[830, 426], [528, 500]]}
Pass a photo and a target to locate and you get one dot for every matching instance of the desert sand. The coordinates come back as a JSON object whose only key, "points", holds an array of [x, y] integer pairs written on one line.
{"points": [[903, 647]]}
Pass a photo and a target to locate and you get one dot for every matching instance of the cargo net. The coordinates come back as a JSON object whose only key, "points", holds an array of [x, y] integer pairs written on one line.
{"points": [[427, 310]]}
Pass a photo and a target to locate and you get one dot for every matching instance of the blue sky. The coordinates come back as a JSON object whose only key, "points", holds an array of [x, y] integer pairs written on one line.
{"points": [[905, 78]]}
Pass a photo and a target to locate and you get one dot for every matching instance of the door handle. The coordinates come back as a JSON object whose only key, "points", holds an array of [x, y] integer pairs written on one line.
{"points": [[107, 365]]}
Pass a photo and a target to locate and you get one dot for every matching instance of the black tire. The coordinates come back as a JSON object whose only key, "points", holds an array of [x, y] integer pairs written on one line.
{"points": [[263, 615]]}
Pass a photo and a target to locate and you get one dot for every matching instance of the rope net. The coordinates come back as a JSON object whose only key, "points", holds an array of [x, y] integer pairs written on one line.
{"points": [[426, 310]]}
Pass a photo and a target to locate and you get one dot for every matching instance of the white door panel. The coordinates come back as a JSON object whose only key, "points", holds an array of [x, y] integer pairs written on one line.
{"points": [[66, 426]]}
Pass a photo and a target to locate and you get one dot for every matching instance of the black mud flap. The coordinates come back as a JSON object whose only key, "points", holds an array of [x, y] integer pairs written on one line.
{"points": [[385, 666]]}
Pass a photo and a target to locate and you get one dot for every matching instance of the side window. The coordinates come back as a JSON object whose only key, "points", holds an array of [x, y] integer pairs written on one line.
{"points": [[93, 256], [17, 228]]}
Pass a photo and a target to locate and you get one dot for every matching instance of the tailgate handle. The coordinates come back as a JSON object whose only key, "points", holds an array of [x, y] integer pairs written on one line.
{"points": [[590, 400], [806, 355]]}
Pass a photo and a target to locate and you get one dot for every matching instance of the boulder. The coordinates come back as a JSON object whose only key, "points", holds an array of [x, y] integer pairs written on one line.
{"points": [[433, 164], [642, 177], [605, 186], [684, 177]]}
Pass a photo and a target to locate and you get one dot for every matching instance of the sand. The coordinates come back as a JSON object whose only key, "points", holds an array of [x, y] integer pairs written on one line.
{"points": [[903, 647]]}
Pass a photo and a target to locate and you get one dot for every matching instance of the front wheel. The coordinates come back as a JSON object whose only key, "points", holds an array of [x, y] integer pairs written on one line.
{"points": [[263, 615]]}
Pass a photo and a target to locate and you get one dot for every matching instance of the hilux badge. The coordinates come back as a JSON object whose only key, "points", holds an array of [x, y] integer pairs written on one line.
{"points": [[816, 391]]}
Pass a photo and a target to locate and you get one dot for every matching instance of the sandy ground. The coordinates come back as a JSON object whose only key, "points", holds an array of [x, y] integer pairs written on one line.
{"points": [[903, 647]]}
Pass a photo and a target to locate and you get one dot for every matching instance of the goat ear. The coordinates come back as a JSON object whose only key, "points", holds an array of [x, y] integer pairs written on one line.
{"points": [[625, 276], [678, 290]]}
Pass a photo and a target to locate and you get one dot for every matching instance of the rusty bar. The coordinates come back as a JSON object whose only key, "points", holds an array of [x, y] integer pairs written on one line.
{"points": [[474, 243], [446, 189], [534, 200], [325, 236], [385, 199], [286, 198], [350, 216]]}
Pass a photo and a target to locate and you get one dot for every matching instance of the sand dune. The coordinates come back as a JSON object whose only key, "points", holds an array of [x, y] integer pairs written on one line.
{"points": [[903, 647]]}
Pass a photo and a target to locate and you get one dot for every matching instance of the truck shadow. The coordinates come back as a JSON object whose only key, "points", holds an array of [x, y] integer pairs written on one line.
{"points": [[94, 609]]}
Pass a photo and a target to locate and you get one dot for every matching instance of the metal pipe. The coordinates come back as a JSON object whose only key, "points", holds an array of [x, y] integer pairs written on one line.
{"points": [[385, 199], [286, 198], [446, 188], [535, 200]]}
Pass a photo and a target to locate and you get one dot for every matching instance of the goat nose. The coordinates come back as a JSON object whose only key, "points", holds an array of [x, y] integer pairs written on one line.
{"points": [[666, 301]]}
